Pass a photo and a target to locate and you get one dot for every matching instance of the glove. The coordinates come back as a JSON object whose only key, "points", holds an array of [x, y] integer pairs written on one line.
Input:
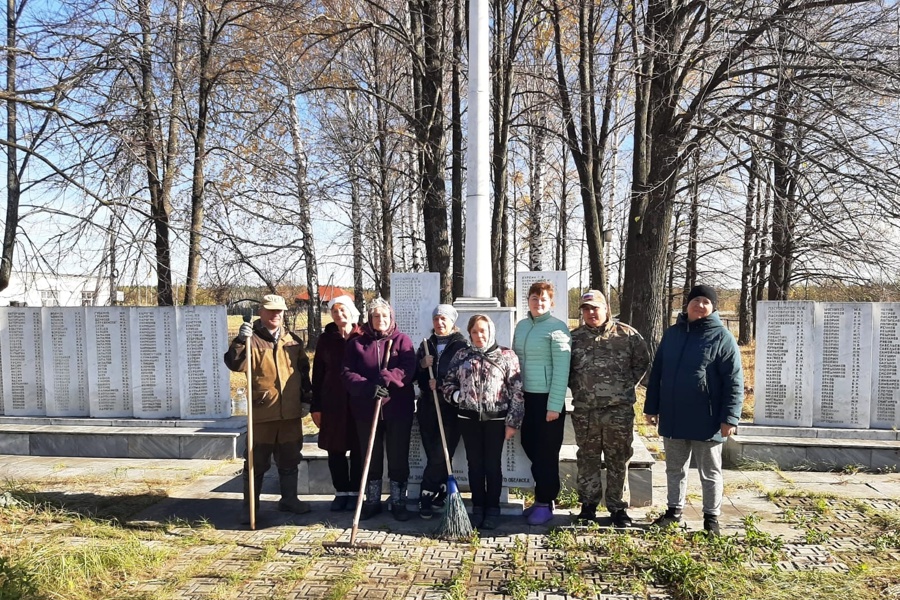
{"points": [[304, 408], [244, 332], [381, 392]]}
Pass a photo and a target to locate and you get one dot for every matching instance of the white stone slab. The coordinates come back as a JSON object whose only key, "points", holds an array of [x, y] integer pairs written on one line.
{"points": [[65, 361], [560, 281], [516, 466], [843, 367], [504, 317], [155, 351], [885, 408], [203, 340], [413, 298], [785, 348], [22, 362], [111, 375]]}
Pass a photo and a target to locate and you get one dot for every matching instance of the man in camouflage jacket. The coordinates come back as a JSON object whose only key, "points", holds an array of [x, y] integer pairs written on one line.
{"points": [[609, 358]]}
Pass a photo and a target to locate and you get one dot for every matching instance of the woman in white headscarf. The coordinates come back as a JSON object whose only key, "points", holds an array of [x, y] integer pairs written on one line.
{"points": [[331, 406], [431, 367], [485, 384]]}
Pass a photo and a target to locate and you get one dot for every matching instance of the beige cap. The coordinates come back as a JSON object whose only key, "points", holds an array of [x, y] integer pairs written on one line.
{"points": [[273, 302], [592, 298]]}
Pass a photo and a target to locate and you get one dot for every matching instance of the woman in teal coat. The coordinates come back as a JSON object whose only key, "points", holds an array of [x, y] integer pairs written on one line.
{"points": [[543, 344], [695, 392]]}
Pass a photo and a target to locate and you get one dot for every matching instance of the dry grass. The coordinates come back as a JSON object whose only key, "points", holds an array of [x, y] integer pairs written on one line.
{"points": [[748, 361]]}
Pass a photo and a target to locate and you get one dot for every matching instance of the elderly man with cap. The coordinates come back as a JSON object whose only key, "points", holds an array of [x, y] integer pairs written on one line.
{"points": [[609, 358], [280, 393], [695, 392], [445, 341]]}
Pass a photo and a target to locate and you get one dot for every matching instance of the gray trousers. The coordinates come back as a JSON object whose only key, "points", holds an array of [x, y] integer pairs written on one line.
{"points": [[708, 458]]}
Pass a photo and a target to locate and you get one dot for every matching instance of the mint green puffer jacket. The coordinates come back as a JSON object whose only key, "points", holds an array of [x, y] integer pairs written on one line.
{"points": [[543, 345]]}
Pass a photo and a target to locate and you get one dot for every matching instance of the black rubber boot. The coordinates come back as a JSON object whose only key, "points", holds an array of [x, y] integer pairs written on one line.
{"points": [[289, 501]]}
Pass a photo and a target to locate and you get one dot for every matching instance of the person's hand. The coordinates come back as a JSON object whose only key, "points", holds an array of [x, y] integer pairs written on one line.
{"points": [[426, 361], [510, 432], [244, 332], [381, 392], [727, 430], [651, 419], [317, 418], [432, 384], [304, 409], [552, 415]]}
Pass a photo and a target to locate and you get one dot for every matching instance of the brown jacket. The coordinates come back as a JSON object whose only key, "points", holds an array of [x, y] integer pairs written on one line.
{"points": [[280, 372]]}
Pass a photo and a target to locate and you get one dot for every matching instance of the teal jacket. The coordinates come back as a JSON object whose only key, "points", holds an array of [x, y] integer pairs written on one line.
{"points": [[543, 345]]}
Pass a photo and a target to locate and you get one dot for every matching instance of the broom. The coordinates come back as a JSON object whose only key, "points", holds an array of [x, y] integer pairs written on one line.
{"points": [[455, 524]]}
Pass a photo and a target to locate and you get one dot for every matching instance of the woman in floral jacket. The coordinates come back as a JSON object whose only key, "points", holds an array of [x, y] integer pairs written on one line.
{"points": [[485, 384]]}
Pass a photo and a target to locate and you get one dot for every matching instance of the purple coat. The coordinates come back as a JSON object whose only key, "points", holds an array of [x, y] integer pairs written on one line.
{"points": [[329, 396], [363, 357]]}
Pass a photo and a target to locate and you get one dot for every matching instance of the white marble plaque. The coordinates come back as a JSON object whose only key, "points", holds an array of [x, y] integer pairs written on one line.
{"points": [[3, 363], [111, 375], [65, 366], [843, 366], [784, 363], [155, 351], [560, 282], [413, 298], [516, 466], [885, 408], [203, 340], [23, 362]]}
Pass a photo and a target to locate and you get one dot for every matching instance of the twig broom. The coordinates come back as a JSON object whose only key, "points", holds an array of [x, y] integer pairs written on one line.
{"points": [[455, 524]]}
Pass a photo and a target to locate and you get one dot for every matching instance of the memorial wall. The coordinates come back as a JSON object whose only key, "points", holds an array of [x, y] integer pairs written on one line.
{"points": [[827, 364], [413, 298], [114, 362]]}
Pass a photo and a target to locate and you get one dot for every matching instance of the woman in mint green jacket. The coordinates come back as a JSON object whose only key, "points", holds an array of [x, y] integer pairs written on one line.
{"points": [[542, 343]]}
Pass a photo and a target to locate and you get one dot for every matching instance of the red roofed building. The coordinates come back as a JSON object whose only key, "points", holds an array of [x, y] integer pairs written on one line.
{"points": [[326, 294]]}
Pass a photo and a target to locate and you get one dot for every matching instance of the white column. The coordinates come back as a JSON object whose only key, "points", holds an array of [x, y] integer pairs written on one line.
{"points": [[477, 272]]}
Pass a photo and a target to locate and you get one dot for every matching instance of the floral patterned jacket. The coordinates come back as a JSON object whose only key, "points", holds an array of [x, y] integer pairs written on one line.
{"points": [[486, 385]]}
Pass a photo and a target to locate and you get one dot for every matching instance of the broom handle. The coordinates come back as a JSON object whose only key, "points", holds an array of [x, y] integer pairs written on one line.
{"points": [[365, 474], [251, 484], [437, 409]]}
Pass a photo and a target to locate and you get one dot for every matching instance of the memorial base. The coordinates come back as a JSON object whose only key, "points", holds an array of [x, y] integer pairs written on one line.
{"points": [[813, 449], [217, 439]]}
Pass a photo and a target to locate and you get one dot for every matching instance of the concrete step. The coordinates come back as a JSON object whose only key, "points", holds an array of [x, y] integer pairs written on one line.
{"points": [[813, 449], [225, 440], [123, 438]]}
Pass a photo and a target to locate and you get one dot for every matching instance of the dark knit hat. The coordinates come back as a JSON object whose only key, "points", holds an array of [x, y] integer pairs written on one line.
{"points": [[707, 291]]}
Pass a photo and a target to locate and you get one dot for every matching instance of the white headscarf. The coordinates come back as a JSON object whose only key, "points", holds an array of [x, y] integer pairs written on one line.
{"points": [[347, 301]]}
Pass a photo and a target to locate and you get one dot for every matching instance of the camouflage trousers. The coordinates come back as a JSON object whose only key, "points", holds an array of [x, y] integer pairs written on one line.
{"points": [[603, 436]]}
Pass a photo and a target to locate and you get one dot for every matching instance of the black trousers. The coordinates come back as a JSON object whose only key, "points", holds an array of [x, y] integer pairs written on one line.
{"points": [[484, 446], [392, 437], [345, 473], [435, 474], [541, 442]]}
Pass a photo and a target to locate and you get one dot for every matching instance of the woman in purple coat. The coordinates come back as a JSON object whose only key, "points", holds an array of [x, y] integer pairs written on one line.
{"points": [[372, 376], [331, 406]]}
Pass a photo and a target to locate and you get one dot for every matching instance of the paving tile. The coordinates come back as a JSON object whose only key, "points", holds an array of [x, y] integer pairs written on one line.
{"points": [[257, 589], [307, 590]]}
